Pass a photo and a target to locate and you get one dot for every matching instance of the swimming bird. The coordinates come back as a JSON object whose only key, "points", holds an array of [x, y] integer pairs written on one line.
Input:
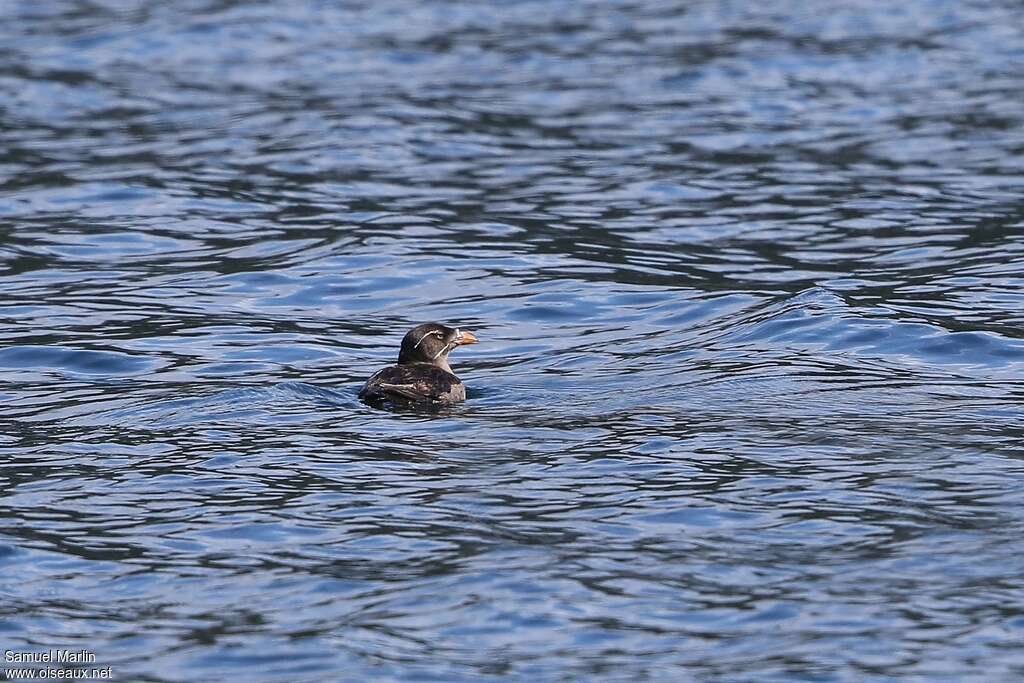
{"points": [[422, 374]]}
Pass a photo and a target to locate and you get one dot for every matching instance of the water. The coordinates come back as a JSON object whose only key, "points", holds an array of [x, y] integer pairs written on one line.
{"points": [[750, 289]]}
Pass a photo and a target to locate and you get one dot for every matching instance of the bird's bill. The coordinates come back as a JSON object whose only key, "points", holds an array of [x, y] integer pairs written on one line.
{"points": [[465, 338]]}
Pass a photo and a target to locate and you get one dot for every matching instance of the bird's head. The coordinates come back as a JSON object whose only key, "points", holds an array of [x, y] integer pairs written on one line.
{"points": [[431, 343]]}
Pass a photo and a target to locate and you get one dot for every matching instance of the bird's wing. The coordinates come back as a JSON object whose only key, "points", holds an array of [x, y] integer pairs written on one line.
{"points": [[415, 382], [411, 391]]}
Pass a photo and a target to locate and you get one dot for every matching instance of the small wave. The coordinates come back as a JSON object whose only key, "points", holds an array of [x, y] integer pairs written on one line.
{"points": [[248, 405], [75, 361], [817, 319]]}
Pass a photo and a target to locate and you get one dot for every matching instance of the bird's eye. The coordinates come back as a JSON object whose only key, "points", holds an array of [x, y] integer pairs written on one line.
{"points": [[436, 333]]}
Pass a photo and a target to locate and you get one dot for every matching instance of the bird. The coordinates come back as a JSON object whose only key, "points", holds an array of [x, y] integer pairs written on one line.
{"points": [[422, 374]]}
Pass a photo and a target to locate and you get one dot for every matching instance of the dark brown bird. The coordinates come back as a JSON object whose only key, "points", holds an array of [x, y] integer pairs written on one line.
{"points": [[422, 374]]}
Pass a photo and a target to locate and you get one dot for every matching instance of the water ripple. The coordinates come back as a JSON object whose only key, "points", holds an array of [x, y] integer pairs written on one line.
{"points": [[747, 280]]}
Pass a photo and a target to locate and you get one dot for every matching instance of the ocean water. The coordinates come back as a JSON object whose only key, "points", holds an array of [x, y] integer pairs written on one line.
{"points": [[749, 285]]}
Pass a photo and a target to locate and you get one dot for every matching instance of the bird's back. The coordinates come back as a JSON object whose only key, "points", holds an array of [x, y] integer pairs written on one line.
{"points": [[413, 383]]}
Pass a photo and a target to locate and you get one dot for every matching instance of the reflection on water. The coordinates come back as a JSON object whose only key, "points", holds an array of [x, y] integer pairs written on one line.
{"points": [[747, 281]]}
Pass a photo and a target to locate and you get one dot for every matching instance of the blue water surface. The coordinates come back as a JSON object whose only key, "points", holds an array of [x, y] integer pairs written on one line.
{"points": [[748, 280]]}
